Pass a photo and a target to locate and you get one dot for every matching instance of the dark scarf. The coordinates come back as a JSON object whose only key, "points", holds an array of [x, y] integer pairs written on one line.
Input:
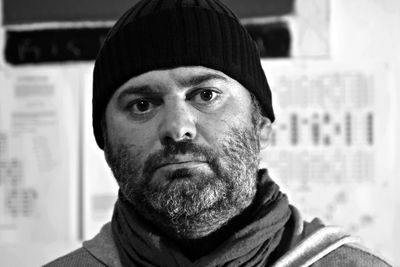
{"points": [[140, 244]]}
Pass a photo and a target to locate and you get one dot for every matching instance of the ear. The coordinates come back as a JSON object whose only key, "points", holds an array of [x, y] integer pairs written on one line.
{"points": [[265, 132]]}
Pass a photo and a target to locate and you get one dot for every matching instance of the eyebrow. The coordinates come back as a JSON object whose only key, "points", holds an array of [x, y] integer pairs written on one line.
{"points": [[199, 79], [138, 90], [185, 82]]}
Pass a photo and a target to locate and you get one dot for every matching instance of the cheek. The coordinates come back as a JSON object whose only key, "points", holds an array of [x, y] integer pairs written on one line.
{"points": [[215, 132], [140, 139], [233, 115]]}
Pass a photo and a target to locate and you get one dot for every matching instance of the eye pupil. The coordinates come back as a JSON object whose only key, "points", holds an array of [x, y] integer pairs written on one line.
{"points": [[207, 95], [142, 105]]}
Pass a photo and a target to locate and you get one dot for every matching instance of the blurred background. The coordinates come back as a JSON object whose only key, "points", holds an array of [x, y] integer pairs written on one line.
{"points": [[334, 70]]}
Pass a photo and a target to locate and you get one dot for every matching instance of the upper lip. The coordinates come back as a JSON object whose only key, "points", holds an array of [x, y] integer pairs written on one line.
{"points": [[180, 160]]}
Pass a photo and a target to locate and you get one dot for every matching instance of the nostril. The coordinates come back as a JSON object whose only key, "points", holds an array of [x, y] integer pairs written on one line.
{"points": [[187, 135], [170, 138], [167, 140]]}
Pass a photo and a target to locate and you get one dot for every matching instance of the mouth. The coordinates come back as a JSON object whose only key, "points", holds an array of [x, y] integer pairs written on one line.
{"points": [[181, 164], [178, 168], [182, 161]]}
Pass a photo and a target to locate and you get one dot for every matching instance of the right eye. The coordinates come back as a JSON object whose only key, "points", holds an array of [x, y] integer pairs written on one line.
{"points": [[141, 106]]}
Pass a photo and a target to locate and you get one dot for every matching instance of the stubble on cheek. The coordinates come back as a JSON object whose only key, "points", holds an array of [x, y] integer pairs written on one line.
{"points": [[122, 161], [201, 202]]}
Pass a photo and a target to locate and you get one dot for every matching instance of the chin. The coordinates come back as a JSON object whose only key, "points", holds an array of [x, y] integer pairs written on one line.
{"points": [[200, 226]]}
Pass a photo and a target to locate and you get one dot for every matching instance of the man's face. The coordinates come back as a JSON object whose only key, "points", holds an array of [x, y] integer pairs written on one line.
{"points": [[183, 144]]}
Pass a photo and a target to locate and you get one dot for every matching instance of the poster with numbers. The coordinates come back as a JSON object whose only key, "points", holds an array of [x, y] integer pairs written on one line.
{"points": [[333, 145], [38, 155]]}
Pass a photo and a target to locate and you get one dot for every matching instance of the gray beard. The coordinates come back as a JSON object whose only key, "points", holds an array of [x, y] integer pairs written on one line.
{"points": [[193, 204]]}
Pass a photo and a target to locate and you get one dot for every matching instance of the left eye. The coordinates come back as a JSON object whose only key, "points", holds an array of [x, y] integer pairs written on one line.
{"points": [[142, 106], [206, 95]]}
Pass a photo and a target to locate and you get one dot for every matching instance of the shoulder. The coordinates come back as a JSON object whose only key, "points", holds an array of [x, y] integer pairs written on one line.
{"points": [[314, 244], [98, 251], [351, 255], [342, 249], [79, 257]]}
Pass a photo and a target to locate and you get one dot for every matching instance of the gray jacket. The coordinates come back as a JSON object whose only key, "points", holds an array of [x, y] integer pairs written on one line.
{"points": [[311, 246]]}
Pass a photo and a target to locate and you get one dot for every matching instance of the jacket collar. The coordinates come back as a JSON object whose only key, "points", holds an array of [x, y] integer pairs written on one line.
{"points": [[103, 248]]}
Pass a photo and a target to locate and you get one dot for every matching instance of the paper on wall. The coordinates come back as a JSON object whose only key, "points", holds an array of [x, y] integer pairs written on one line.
{"points": [[38, 155], [311, 29], [333, 145]]}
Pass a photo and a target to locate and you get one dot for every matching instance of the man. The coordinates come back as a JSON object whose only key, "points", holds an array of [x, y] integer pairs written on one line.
{"points": [[181, 108]]}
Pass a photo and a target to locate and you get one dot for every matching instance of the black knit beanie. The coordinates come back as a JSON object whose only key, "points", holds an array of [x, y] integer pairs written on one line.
{"points": [[159, 34]]}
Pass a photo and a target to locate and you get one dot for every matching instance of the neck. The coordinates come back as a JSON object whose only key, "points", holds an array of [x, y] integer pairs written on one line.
{"points": [[197, 248]]}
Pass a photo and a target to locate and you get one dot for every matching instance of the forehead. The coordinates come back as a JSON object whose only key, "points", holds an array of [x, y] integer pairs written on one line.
{"points": [[181, 77]]}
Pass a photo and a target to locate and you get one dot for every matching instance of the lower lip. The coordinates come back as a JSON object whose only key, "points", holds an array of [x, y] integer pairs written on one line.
{"points": [[181, 165], [160, 174]]}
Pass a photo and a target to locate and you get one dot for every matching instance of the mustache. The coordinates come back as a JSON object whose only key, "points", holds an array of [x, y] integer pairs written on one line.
{"points": [[170, 151]]}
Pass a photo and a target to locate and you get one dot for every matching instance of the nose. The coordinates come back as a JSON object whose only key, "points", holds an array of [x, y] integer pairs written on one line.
{"points": [[177, 123]]}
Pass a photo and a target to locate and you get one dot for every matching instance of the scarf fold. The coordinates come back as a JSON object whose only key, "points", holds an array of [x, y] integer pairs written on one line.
{"points": [[140, 244]]}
